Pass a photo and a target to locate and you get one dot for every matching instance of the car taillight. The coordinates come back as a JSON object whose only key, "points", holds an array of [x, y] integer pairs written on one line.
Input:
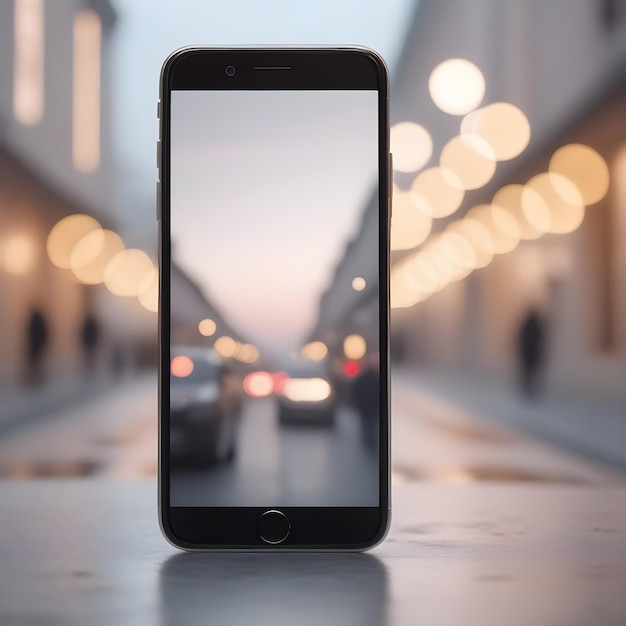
{"points": [[258, 384], [181, 366], [351, 368], [279, 380]]}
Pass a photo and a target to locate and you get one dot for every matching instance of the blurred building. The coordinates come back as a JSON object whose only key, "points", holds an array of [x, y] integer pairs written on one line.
{"points": [[55, 159], [350, 303], [563, 63], [190, 308]]}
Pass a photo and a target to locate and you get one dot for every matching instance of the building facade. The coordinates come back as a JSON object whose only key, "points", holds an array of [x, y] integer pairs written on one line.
{"points": [[562, 63], [55, 160]]}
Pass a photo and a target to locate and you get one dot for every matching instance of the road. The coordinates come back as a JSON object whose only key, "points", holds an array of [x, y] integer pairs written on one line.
{"points": [[286, 465], [115, 433]]}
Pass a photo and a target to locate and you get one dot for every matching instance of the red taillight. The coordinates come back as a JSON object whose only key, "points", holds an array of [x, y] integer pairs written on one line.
{"points": [[181, 366], [258, 384], [351, 368], [279, 379]]}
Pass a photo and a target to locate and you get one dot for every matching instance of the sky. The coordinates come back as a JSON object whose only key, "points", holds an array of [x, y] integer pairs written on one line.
{"points": [[268, 187], [147, 31]]}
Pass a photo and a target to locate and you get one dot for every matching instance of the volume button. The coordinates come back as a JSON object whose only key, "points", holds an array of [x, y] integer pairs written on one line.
{"points": [[158, 157], [158, 201], [390, 183]]}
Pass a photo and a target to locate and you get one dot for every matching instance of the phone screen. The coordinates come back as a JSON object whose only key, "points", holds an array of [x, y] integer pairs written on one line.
{"points": [[274, 315]]}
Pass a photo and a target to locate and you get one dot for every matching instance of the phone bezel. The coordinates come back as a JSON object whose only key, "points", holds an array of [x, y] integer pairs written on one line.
{"points": [[234, 528]]}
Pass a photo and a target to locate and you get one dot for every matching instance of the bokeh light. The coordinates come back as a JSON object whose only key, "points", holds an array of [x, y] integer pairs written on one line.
{"points": [[437, 192], [563, 209], [402, 295], [92, 254], [458, 250], [409, 226], [351, 369], [181, 366], [149, 291], [305, 389], [466, 156], [126, 273], [225, 346], [247, 353], [18, 255], [442, 262], [207, 327], [258, 384], [411, 146], [358, 283], [478, 237], [314, 351], [500, 223], [66, 234], [510, 198], [456, 86], [585, 168], [354, 347], [503, 126]]}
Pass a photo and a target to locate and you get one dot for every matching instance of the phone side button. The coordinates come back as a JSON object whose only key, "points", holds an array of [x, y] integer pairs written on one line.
{"points": [[273, 527], [158, 201]]}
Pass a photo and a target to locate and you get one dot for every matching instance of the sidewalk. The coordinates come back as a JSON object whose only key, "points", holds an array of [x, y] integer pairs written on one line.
{"points": [[591, 427], [23, 407], [109, 430]]}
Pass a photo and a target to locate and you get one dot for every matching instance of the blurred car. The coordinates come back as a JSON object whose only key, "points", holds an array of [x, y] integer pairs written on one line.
{"points": [[305, 394], [205, 407]]}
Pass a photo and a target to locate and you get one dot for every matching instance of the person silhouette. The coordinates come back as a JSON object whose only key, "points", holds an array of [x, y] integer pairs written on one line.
{"points": [[531, 352], [36, 341], [89, 335], [366, 399]]}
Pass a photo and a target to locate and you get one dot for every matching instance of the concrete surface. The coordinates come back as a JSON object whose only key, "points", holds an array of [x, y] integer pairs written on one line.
{"points": [[89, 552]]}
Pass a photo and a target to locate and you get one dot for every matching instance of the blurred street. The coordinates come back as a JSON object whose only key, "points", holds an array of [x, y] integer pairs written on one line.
{"points": [[507, 268], [507, 328], [305, 465], [434, 438]]}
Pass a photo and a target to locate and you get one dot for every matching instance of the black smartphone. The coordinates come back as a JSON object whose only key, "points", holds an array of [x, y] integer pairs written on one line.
{"points": [[273, 209]]}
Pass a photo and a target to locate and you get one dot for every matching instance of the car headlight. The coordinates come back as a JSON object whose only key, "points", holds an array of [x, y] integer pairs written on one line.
{"points": [[306, 389]]}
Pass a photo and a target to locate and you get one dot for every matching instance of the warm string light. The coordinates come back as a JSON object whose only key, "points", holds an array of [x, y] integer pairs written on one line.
{"points": [[96, 255], [551, 202]]}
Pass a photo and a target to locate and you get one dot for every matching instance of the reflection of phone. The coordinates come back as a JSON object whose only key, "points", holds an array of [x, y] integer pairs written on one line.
{"points": [[273, 209], [303, 589]]}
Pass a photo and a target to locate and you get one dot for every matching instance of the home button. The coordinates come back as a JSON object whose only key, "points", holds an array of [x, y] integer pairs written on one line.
{"points": [[273, 527]]}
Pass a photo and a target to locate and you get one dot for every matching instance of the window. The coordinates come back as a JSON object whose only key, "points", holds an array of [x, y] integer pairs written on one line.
{"points": [[86, 92], [28, 59]]}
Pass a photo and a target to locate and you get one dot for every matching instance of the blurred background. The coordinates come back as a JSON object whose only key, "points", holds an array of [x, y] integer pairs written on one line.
{"points": [[509, 217]]}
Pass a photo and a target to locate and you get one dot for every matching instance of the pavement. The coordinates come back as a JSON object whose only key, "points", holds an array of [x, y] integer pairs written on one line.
{"points": [[108, 430], [435, 438], [592, 427], [491, 525], [24, 405]]}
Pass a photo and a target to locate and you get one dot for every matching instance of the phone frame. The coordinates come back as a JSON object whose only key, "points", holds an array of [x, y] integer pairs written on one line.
{"points": [[202, 68]]}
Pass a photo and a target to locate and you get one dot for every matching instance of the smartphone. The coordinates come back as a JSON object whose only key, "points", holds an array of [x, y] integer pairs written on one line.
{"points": [[274, 208]]}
